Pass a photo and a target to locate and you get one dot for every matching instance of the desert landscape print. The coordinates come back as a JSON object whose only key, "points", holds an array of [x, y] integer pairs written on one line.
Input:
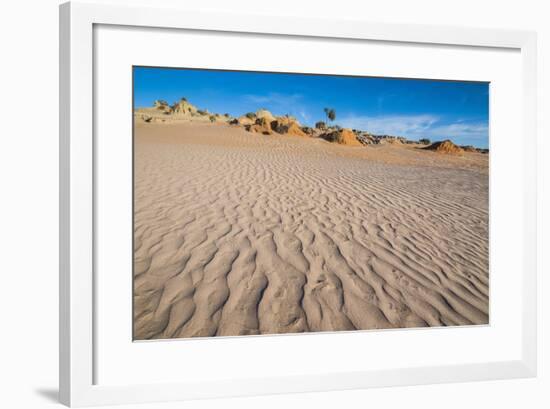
{"points": [[278, 203]]}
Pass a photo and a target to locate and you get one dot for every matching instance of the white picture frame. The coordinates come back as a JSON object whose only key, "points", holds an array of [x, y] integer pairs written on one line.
{"points": [[78, 386]]}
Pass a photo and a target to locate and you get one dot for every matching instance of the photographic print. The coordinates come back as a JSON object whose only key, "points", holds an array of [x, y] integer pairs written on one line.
{"points": [[279, 203]]}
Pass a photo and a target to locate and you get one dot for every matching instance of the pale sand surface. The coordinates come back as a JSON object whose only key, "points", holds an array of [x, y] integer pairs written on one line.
{"points": [[238, 233]]}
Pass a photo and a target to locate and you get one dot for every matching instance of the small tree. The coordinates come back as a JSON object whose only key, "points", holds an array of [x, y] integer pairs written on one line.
{"points": [[330, 114]]}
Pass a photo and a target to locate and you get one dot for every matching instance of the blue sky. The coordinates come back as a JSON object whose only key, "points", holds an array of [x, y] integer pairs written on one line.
{"points": [[404, 107]]}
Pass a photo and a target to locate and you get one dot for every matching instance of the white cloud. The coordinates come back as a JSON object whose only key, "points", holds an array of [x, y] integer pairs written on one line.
{"points": [[275, 98], [461, 130], [399, 125], [419, 126], [281, 104]]}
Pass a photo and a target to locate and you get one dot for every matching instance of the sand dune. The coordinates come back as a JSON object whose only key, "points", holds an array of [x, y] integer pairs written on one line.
{"points": [[239, 233]]}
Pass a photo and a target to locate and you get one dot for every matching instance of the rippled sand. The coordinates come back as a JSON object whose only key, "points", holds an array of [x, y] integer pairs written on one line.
{"points": [[238, 233]]}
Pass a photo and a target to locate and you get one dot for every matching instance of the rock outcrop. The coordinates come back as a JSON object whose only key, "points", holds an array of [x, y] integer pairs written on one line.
{"points": [[287, 125], [262, 125], [445, 146], [182, 107], [163, 107], [396, 140], [265, 123], [366, 139], [264, 114], [469, 148], [342, 136], [244, 120]]}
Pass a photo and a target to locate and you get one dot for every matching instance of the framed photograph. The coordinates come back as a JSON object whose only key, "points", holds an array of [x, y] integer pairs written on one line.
{"points": [[256, 204]]}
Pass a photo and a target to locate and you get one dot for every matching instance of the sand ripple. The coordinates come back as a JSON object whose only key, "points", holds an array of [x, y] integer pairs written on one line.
{"points": [[240, 234]]}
